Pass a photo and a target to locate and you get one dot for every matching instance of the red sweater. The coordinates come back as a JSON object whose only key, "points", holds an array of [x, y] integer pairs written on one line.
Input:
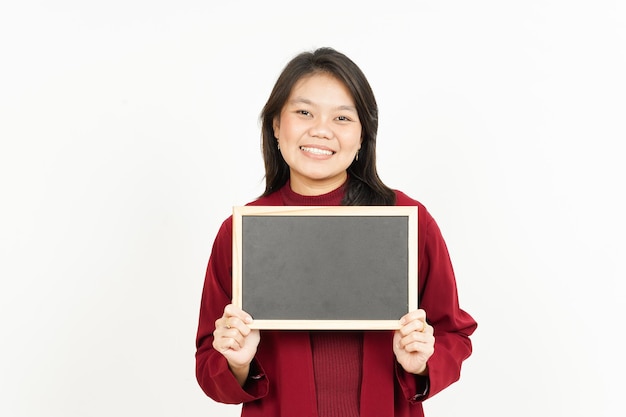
{"points": [[293, 374]]}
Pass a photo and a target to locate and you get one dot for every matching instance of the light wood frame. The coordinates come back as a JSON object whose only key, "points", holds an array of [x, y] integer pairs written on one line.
{"points": [[410, 212]]}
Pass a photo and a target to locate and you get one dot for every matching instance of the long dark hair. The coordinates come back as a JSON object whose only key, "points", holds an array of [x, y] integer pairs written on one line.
{"points": [[364, 187]]}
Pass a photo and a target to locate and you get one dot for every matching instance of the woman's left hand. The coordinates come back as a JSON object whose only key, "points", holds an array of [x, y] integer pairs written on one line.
{"points": [[414, 343]]}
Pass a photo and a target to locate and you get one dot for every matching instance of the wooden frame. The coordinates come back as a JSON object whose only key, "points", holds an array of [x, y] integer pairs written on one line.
{"points": [[281, 253]]}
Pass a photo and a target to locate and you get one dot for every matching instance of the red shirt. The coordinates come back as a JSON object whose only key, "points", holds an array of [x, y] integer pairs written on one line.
{"points": [[283, 374]]}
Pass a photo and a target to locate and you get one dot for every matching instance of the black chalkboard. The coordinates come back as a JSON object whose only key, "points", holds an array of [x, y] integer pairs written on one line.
{"points": [[325, 267]]}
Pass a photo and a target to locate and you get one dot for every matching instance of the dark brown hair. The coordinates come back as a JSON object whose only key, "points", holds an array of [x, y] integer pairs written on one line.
{"points": [[364, 185]]}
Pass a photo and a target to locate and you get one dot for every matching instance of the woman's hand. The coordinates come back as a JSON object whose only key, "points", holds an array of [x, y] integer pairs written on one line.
{"points": [[414, 343], [236, 341]]}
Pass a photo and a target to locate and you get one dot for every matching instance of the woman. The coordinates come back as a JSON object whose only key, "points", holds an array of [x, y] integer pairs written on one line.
{"points": [[319, 130]]}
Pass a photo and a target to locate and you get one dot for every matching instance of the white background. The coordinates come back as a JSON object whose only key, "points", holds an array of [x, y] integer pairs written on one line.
{"points": [[130, 128]]}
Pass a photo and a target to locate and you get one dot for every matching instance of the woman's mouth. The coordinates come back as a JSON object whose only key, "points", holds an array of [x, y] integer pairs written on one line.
{"points": [[317, 151]]}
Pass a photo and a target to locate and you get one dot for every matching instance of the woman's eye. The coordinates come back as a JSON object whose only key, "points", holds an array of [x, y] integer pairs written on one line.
{"points": [[343, 119], [304, 112]]}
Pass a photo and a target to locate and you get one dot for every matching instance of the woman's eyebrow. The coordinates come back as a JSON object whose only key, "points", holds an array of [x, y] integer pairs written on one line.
{"points": [[302, 100], [347, 107]]}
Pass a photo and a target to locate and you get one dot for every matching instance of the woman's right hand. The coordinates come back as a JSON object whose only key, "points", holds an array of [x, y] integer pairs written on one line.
{"points": [[234, 339]]}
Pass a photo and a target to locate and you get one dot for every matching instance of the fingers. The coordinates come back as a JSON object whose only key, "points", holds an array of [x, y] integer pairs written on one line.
{"points": [[416, 335], [234, 317], [415, 321], [416, 342], [228, 342], [232, 325], [233, 311], [231, 329]]}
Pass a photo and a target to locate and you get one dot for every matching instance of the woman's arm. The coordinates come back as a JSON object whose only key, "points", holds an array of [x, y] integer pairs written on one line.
{"points": [[222, 379]]}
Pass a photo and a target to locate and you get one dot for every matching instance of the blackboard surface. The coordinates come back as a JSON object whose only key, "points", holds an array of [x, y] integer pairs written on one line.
{"points": [[333, 267]]}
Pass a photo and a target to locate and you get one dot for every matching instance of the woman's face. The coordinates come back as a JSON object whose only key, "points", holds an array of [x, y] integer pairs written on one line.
{"points": [[319, 134]]}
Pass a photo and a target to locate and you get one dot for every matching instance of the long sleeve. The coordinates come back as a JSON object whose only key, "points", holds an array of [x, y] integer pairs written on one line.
{"points": [[438, 296], [212, 372]]}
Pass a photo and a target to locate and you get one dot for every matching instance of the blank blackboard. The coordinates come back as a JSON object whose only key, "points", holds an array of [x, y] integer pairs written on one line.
{"points": [[325, 267]]}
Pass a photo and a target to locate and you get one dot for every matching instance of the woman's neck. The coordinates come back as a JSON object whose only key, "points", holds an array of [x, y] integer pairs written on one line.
{"points": [[311, 187], [292, 198]]}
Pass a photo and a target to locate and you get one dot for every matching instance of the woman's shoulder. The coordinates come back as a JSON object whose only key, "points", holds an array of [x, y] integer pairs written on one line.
{"points": [[403, 199]]}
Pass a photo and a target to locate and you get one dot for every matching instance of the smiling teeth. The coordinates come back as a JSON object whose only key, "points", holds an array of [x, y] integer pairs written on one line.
{"points": [[316, 151]]}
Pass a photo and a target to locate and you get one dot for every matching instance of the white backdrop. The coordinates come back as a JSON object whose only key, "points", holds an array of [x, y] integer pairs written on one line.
{"points": [[130, 128]]}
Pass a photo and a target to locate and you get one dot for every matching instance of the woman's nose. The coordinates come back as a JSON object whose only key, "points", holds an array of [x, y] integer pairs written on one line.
{"points": [[321, 129]]}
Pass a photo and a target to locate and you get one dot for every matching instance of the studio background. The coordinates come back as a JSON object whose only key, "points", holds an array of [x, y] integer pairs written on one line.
{"points": [[129, 129]]}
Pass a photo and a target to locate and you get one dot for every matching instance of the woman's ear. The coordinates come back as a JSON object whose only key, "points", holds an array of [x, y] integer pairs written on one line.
{"points": [[276, 126]]}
